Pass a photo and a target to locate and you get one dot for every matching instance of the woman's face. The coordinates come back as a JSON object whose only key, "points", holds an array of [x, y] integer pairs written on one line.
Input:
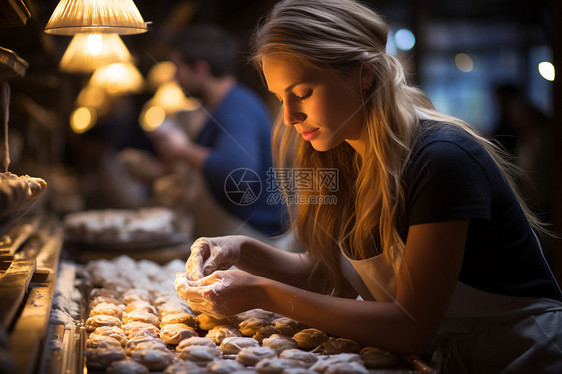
{"points": [[323, 107]]}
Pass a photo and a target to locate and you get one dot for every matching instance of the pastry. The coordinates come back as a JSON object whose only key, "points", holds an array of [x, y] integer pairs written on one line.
{"points": [[135, 294], [140, 305], [250, 356], [183, 367], [279, 343], [218, 333], [233, 345], [326, 361], [172, 307], [133, 329], [126, 366], [206, 322], [141, 316], [112, 332], [199, 354], [102, 358], [265, 332], [106, 292], [297, 371], [256, 313], [185, 318], [377, 358], [276, 365], [102, 320], [347, 368], [102, 342], [107, 309], [334, 346], [174, 333], [196, 340], [144, 342], [308, 358], [103, 299], [224, 367], [287, 326], [310, 338], [250, 326], [153, 359]]}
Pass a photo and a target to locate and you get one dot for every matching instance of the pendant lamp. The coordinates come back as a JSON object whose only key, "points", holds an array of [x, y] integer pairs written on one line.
{"points": [[96, 16], [118, 79], [87, 52]]}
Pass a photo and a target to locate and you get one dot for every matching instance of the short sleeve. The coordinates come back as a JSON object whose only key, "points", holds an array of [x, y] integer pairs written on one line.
{"points": [[447, 182]]}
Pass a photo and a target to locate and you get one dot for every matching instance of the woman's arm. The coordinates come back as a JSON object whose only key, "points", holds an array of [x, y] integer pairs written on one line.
{"points": [[432, 260], [290, 268]]}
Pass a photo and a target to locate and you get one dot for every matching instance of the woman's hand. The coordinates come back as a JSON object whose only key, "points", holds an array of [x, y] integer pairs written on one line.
{"points": [[221, 294], [211, 254]]}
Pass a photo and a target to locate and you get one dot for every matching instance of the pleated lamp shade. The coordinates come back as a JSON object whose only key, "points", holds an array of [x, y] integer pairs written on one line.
{"points": [[87, 52], [96, 16], [118, 79]]}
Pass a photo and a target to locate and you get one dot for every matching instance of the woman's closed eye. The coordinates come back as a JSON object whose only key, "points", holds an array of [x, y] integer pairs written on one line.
{"points": [[303, 97]]}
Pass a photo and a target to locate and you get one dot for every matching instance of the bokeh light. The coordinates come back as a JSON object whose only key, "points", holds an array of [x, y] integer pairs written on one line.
{"points": [[464, 62], [547, 71]]}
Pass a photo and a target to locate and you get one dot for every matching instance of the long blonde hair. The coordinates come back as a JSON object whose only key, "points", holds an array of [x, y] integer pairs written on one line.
{"points": [[338, 35]]}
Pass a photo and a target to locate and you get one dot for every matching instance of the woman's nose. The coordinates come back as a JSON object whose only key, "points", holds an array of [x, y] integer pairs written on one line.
{"points": [[291, 117]]}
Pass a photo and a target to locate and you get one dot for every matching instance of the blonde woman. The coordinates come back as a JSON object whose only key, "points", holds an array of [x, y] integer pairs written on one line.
{"points": [[427, 227]]}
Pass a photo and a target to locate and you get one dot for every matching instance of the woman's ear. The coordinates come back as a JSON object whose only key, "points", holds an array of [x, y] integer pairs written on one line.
{"points": [[366, 78]]}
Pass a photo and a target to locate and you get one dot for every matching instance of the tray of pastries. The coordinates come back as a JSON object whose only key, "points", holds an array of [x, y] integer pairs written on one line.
{"points": [[125, 229], [134, 322]]}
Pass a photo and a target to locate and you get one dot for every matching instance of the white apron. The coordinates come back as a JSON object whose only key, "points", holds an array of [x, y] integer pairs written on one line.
{"points": [[481, 332]]}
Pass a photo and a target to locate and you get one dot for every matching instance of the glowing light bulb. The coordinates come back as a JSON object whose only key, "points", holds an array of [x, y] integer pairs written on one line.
{"points": [[547, 71]]}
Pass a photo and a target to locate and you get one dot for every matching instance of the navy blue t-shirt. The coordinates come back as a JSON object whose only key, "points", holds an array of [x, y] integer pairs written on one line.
{"points": [[450, 176], [237, 170]]}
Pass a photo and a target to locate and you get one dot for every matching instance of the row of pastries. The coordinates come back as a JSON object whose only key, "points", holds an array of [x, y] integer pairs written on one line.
{"points": [[137, 323]]}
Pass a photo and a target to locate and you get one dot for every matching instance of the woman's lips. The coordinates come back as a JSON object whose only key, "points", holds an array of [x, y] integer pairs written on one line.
{"points": [[309, 135]]}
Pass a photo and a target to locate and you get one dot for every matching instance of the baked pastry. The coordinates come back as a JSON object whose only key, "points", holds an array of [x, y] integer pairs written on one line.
{"points": [[233, 344], [207, 322], [310, 338], [265, 332], [308, 358], [135, 328], [183, 367], [185, 318], [279, 343], [112, 332], [126, 366], [377, 358], [144, 342], [297, 371], [141, 316], [250, 326], [256, 313], [218, 333], [140, 305], [106, 309], [334, 346], [287, 326], [172, 307], [250, 356], [224, 366], [153, 359], [200, 354], [174, 333], [195, 340], [106, 292], [347, 368], [135, 294], [102, 320], [103, 299], [276, 365], [100, 358], [325, 362], [102, 342]]}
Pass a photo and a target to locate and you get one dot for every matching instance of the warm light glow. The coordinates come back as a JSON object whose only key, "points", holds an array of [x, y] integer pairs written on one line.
{"points": [[152, 117], [96, 16], [547, 71], [119, 78], [464, 62], [87, 52], [404, 39], [171, 97], [161, 73], [94, 97], [82, 119]]}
